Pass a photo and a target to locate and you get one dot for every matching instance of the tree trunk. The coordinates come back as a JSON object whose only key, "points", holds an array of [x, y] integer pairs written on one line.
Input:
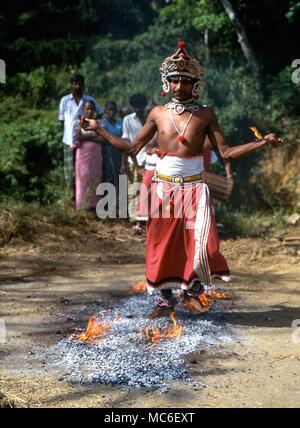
{"points": [[243, 41], [206, 45]]}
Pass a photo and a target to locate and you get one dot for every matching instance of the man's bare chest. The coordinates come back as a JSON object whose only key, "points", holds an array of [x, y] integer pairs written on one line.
{"points": [[192, 124]]}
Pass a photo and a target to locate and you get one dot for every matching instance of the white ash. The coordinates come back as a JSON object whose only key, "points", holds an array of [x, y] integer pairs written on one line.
{"points": [[124, 357]]}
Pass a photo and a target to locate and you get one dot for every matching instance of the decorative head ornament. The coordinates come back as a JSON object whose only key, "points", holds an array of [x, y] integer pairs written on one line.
{"points": [[182, 64]]}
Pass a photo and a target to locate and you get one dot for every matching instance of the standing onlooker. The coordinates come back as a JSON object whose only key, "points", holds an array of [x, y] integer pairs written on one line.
{"points": [[131, 125], [113, 159], [70, 108], [88, 163], [125, 111]]}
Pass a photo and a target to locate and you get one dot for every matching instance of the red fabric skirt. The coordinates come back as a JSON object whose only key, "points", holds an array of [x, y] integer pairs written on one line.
{"points": [[177, 236], [182, 238], [217, 262]]}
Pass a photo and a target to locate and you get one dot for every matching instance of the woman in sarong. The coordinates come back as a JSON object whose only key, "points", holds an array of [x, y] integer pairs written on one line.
{"points": [[88, 164]]}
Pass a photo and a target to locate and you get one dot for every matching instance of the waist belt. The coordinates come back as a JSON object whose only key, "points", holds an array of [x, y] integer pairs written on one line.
{"points": [[178, 179]]}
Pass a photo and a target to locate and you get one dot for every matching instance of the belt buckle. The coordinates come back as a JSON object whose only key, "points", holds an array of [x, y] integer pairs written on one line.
{"points": [[177, 179]]}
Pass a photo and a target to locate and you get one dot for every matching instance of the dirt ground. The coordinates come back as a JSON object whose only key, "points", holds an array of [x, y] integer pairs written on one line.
{"points": [[49, 287]]}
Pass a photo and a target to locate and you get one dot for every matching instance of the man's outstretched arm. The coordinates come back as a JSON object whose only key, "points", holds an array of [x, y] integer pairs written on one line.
{"points": [[143, 137], [228, 153]]}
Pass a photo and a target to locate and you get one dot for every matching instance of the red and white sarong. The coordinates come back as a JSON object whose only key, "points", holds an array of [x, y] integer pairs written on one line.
{"points": [[217, 262], [180, 218]]}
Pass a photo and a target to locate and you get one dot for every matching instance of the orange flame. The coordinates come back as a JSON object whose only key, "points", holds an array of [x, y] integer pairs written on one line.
{"points": [[93, 331], [175, 330], [202, 303], [198, 304], [256, 132], [139, 288], [154, 335], [213, 294]]}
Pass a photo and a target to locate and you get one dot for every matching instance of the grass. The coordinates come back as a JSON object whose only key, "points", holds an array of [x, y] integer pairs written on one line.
{"points": [[25, 220], [250, 224]]}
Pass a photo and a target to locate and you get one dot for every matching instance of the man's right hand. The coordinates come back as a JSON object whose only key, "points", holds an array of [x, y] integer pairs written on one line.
{"points": [[274, 140]]}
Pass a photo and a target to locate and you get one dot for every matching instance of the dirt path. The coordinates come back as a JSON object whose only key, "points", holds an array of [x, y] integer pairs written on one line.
{"points": [[46, 291]]}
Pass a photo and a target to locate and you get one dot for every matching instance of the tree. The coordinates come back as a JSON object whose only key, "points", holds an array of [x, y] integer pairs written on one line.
{"points": [[243, 40], [208, 18]]}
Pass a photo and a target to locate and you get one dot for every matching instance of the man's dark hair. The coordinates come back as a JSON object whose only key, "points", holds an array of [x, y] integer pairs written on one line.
{"points": [[77, 78], [138, 101]]}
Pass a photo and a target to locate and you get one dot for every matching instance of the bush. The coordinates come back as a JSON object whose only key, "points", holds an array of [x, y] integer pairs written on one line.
{"points": [[31, 160], [284, 95], [42, 87], [26, 55], [242, 222]]}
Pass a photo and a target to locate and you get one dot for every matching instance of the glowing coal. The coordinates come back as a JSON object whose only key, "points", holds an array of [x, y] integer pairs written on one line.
{"points": [[123, 357]]}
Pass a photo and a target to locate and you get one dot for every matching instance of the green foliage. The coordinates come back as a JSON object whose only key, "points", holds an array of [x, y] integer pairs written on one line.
{"points": [[284, 95], [31, 160], [201, 13], [119, 47], [57, 32], [126, 67], [41, 86], [11, 107], [210, 15], [229, 90], [25, 55], [242, 222], [294, 9]]}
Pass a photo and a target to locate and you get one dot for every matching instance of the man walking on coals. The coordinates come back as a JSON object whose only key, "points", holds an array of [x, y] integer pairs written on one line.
{"points": [[180, 214]]}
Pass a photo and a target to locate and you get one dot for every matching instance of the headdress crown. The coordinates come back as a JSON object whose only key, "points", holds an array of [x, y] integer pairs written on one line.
{"points": [[183, 64]]}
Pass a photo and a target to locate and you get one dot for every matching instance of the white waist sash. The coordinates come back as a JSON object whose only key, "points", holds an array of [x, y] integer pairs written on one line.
{"points": [[175, 165]]}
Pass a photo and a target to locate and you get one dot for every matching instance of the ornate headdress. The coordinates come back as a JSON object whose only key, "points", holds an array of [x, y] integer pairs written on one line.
{"points": [[182, 64]]}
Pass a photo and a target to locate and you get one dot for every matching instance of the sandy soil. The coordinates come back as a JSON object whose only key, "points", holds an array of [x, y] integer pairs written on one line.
{"points": [[49, 287]]}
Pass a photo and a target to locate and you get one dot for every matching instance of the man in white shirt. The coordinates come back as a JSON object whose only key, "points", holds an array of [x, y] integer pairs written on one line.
{"points": [[131, 125], [70, 110]]}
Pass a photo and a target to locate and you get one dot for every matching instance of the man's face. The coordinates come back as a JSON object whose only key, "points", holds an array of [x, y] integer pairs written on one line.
{"points": [[77, 87], [181, 87], [111, 111]]}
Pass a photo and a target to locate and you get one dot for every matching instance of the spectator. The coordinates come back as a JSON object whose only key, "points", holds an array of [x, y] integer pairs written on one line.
{"points": [[132, 123], [125, 111], [70, 109], [88, 163], [113, 159]]}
